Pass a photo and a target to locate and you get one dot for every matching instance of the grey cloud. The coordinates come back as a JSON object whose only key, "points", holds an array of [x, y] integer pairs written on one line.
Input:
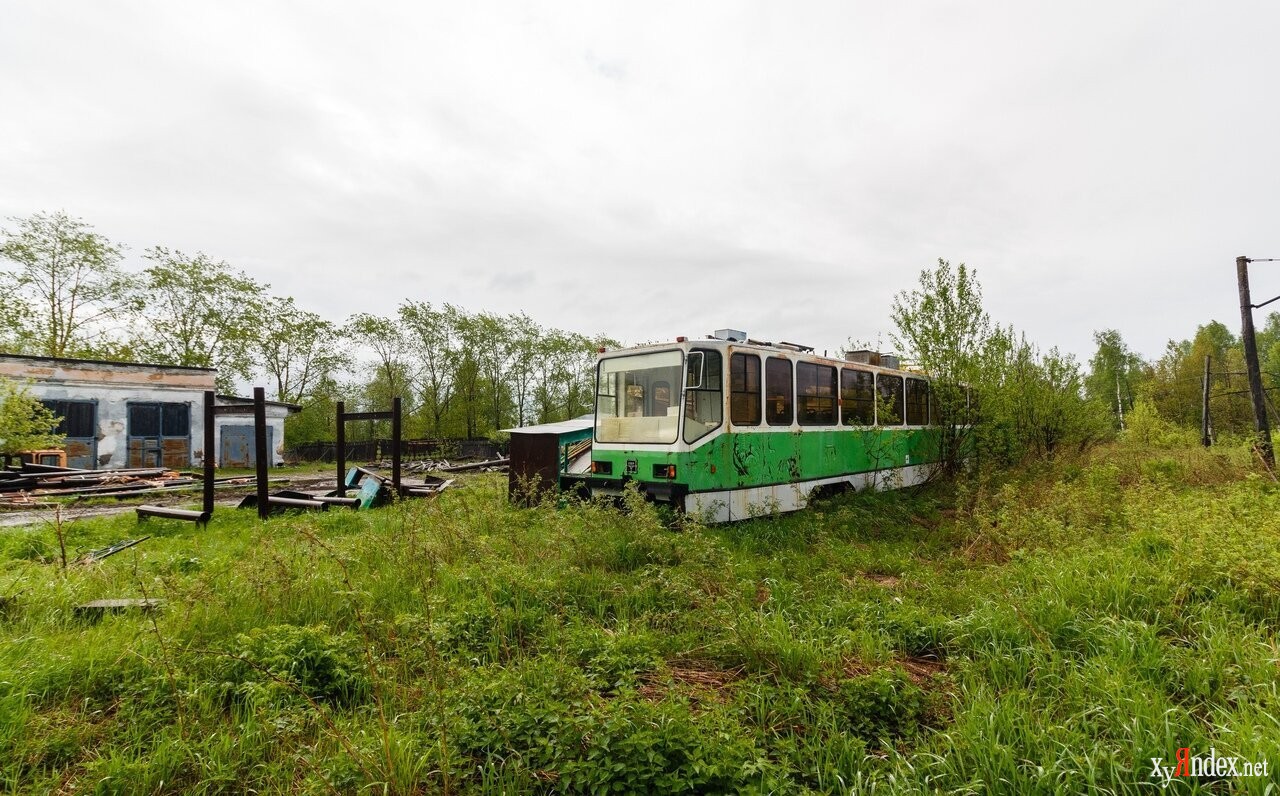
{"points": [[652, 170]]}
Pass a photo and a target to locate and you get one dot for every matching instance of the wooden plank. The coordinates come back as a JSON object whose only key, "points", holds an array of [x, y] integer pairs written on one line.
{"points": [[176, 452], [97, 608]]}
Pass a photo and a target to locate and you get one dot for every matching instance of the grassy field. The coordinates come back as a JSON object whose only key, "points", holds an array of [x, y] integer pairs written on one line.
{"points": [[1049, 633]]}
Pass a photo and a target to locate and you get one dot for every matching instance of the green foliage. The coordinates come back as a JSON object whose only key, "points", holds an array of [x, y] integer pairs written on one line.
{"points": [[1035, 407], [1145, 426], [25, 423], [1175, 384], [67, 280], [284, 663], [389, 342], [298, 349], [318, 418], [998, 396], [196, 311], [19, 333], [472, 374], [1115, 374], [882, 704]]}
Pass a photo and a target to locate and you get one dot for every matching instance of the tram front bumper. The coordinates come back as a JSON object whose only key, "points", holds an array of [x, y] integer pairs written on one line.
{"points": [[659, 492]]}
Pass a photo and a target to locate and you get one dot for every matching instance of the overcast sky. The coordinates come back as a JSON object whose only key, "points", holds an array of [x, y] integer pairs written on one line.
{"points": [[651, 169]]}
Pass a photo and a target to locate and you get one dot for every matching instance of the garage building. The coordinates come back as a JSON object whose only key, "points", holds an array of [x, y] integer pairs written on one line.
{"points": [[130, 414]]}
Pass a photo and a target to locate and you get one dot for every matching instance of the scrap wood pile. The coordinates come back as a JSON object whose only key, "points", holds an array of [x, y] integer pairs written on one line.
{"points": [[20, 487], [444, 466]]}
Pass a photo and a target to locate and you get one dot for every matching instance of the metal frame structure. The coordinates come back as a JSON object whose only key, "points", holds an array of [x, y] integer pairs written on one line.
{"points": [[259, 412], [340, 442]]}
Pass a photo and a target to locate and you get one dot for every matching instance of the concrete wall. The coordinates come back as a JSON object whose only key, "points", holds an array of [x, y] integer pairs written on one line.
{"points": [[114, 386], [276, 414]]}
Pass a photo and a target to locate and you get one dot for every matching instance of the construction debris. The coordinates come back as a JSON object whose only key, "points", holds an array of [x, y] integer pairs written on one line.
{"points": [[374, 489], [444, 466], [424, 466], [491, 466], [200, 518], [285, 501], [97, 608], [19, 486], [94, 556]]}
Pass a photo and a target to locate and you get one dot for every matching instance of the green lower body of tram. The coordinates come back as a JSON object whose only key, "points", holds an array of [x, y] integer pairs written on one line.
{"points": [[738, 475]]}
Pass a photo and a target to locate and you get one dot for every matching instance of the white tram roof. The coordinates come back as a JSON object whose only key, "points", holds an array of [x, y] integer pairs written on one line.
{"points": [[762, 347]]}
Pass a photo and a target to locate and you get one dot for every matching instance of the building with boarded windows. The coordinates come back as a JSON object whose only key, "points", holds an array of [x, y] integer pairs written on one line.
{"points": [[128, 414]]}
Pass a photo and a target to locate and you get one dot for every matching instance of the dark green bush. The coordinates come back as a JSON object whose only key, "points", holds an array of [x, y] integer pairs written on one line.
{"points": [[283, 663]]}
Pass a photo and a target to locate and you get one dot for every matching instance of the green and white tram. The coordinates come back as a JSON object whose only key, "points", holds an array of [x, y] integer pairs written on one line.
{"points": [[730, 428]]}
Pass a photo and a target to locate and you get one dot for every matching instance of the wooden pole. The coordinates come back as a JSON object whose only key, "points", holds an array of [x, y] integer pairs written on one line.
{"points": [[1261, 424], [260, 448], [340, 449], [395, 447], [1204, 404], [210, 454]]}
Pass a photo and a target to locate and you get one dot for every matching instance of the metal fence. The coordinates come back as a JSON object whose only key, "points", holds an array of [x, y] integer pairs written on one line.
{"points": [[411, 450]]}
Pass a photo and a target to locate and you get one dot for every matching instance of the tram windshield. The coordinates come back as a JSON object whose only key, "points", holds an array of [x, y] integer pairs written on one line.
{"points": [[638, 398]]}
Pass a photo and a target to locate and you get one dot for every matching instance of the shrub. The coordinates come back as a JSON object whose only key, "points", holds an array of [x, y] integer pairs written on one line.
{"points": [[280, 663]]}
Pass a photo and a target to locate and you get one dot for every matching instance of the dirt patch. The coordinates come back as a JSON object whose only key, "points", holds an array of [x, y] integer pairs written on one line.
{"points": [[696, 679], [921, 671], [887, 581], [763, 594]]}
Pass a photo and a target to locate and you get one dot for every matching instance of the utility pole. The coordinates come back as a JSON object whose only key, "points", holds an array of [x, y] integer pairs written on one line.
{"points": [[1261, 424], [1204, 404]]}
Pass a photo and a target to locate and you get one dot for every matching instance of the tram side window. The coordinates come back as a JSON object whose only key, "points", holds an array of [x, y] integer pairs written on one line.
{"points": [[777, 390], [704, 404], [917, 402], [744, 389], [858, 397], [889, 389], [816, 394]]}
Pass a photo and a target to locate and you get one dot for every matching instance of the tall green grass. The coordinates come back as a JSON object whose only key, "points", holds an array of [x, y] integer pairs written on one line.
{"points": [[1048, 632]]}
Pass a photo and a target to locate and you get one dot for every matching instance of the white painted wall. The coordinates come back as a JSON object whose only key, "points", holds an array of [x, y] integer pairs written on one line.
{"points": [[114, 385], [113, 415], [276, 415]]}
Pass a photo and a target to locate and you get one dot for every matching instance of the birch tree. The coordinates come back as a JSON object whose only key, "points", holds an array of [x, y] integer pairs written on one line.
{"points": [[298, 349], [71, 278], [197, 311]]}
